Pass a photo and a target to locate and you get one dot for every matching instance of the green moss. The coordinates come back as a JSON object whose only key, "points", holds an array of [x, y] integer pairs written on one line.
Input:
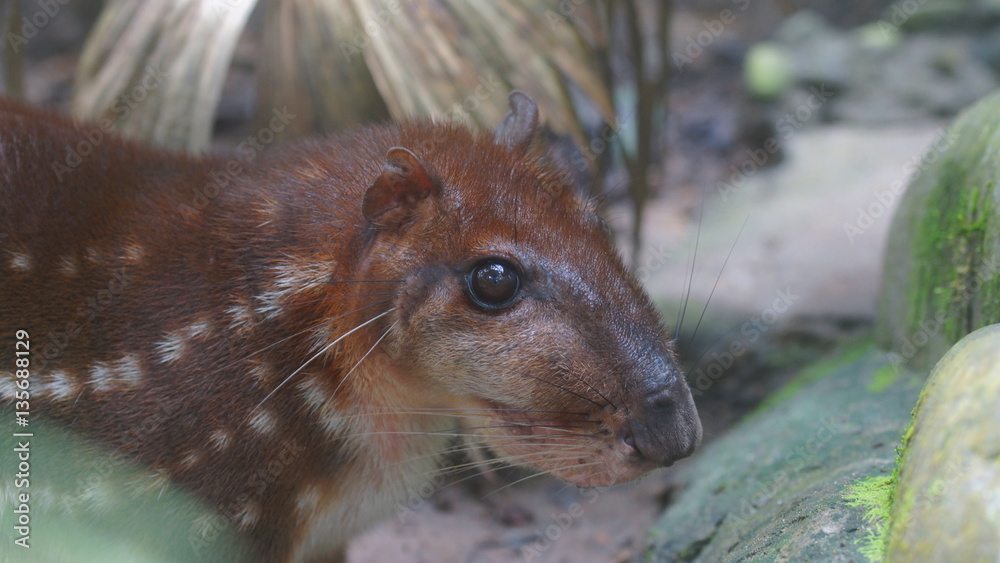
{"points": [[949, 248], [883, 378], [815, 372], [874, 495]]}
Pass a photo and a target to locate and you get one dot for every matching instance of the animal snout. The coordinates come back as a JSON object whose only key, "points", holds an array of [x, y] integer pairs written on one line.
{"points": [[665, 427]]}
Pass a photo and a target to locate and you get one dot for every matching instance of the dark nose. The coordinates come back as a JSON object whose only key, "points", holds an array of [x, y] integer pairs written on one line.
{"points": [[666, 427]]}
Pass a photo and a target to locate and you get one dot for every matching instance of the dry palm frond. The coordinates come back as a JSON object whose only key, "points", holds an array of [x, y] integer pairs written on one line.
{"points": [[335, 63], [157, 68]]}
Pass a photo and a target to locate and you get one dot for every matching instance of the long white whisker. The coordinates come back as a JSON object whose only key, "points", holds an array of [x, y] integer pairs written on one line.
{"points": [[318, 354], [384, 334]]}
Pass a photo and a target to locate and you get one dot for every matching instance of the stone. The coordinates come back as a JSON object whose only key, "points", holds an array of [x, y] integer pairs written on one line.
{"points": [[941, 278], [947, 498], [770, 489]]}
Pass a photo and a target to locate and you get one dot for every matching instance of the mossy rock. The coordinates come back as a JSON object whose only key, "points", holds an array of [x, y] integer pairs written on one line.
{"points": [[947, 498], [941, 278], [771, 488]]}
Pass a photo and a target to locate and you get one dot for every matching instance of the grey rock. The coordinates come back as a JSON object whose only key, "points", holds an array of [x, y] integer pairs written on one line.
{"points": [[770, 489]]}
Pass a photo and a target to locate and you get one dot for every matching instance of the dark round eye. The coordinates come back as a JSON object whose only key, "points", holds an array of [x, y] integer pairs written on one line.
{"points": [[493, 283]]}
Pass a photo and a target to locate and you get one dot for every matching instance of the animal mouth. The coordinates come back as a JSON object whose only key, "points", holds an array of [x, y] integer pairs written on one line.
{"points": [[569, 445]]}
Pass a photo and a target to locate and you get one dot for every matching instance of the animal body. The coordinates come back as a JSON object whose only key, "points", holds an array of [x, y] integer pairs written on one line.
{"points": [[328, 315]]}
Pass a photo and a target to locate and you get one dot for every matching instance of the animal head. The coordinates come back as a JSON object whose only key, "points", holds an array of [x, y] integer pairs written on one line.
{"points": [[515, 305]]}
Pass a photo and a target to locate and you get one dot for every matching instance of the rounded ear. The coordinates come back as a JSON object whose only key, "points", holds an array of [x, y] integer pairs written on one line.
{"points": [[402, 192], [518, 126]]}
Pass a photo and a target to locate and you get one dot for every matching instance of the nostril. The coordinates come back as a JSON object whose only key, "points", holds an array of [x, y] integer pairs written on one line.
{"points": [[660, 400], [627, 436]]}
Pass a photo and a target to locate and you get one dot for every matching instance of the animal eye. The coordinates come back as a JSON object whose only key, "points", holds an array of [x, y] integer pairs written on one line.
{"points": [[493, 283]]}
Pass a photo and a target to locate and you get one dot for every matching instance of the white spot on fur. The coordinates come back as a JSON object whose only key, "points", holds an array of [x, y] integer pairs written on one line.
{"points": [[129, 370], [219, 439], [201, 328], [191, 459], [126, 372], [21, 261], [173, 347], [307, 500], [8, 385], [133, 253], [68, 266], [93, 255], [319, 401], [100, 376], [299, 275], [289, 278], [59, 385], [158, 481], [313, 394], [240, 317], [248, 516], [269, 304], [262, 372], [264, 422]]}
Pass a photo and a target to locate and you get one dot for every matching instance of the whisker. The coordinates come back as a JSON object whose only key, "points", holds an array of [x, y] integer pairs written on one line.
{"points": [[318, 354], [301, 332], [458, 415], [719, 277], [534, 475], [332, 297], [494, 461], [343, 379], [458, 434], [361, 281], [694, 258], [592, 388], [561, 388]]}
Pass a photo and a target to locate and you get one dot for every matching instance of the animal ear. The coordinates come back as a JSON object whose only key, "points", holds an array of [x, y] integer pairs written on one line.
{"points": [[518, 126], [401, 191]]}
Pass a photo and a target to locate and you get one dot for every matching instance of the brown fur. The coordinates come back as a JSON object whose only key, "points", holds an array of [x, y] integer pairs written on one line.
{"points": [[215, 301]]}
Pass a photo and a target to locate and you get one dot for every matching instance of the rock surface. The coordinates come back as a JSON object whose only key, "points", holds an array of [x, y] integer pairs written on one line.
{"points": [[942, 271], [947, 500], [770, 489]]}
